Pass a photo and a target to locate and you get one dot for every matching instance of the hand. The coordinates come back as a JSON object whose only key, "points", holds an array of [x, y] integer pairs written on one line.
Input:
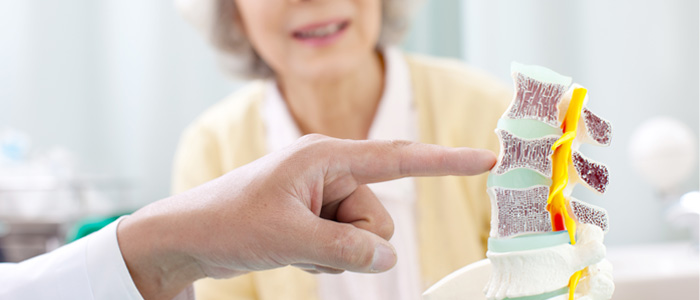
{"points": [[307, 205]]}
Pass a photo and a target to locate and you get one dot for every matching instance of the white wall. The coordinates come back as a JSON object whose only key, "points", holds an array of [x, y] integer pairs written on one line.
{"points": [[114, 81], [637, 59]]}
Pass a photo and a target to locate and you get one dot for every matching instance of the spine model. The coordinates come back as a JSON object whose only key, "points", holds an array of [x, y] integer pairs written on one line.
{"points": [[544, 244]]}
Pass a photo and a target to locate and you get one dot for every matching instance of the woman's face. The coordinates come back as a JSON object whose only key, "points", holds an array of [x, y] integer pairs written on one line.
{"points": [[312, 39]]}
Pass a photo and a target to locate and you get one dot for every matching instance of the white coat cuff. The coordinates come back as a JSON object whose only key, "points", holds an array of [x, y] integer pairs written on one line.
{"points": [[109, 276]]}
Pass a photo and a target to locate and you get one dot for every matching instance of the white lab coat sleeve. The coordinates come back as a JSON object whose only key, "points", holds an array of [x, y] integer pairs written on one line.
{"points": [[91, 268]]}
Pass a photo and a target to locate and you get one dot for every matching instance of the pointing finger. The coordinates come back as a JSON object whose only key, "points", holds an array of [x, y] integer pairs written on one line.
{"points": [[374, 161]]}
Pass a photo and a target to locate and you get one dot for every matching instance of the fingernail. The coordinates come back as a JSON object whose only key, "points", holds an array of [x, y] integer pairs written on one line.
{"points": [[384, 258], [310, 267]]}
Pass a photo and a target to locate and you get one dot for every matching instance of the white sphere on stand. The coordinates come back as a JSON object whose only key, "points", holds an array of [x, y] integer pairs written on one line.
{"points": [[664, 152]]}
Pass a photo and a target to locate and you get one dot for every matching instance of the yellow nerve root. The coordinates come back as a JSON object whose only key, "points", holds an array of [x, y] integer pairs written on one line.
{"points": [[573, 282], [561, 158]]}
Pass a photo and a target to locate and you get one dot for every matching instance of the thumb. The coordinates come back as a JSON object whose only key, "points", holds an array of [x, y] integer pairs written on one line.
{"points": [[346, 247]]}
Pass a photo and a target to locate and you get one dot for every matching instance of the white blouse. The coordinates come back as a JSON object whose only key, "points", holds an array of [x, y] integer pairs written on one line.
{"points": [[395, 119]]}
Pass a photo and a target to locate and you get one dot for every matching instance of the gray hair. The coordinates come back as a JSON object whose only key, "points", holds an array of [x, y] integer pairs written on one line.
{"points": [[240, 59]]}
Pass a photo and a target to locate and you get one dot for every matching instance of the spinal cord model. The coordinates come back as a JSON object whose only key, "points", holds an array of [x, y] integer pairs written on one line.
{"points": [[543, 244]]}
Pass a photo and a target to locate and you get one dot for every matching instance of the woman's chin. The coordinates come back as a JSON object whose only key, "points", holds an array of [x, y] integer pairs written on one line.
{"points": [[323, 72], [331, 68]]}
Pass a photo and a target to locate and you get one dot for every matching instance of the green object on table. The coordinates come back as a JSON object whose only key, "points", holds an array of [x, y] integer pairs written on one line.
{"points": [[86, 226]]}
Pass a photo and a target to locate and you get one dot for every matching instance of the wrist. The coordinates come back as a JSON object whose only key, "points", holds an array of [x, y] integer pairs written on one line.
{"points": [[151, 249]]}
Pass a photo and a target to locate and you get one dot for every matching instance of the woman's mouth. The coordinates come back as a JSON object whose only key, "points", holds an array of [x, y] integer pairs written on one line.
{"points": [[321, 34]]}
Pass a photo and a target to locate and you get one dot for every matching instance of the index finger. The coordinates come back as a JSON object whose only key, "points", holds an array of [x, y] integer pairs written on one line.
{"points": [[374, 161]]}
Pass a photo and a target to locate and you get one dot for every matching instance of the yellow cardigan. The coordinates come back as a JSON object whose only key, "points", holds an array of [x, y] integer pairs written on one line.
{"points": [[457, 106]]}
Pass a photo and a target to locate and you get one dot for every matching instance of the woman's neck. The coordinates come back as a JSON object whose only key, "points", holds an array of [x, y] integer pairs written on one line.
{"points": [[342, 107]]}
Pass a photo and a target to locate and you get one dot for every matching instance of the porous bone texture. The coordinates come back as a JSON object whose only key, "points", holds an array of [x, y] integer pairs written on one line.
{"points": [[589, 214], [535, 154], [536, 100], [521, 211], [594, 175], [598, 129]]}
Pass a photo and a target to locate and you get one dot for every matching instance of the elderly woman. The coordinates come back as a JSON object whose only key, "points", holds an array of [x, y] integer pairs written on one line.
{"points": [[329, 67]]}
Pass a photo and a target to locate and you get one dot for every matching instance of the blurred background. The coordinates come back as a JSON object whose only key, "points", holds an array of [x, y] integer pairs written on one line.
{"points": [[94, 96]]}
